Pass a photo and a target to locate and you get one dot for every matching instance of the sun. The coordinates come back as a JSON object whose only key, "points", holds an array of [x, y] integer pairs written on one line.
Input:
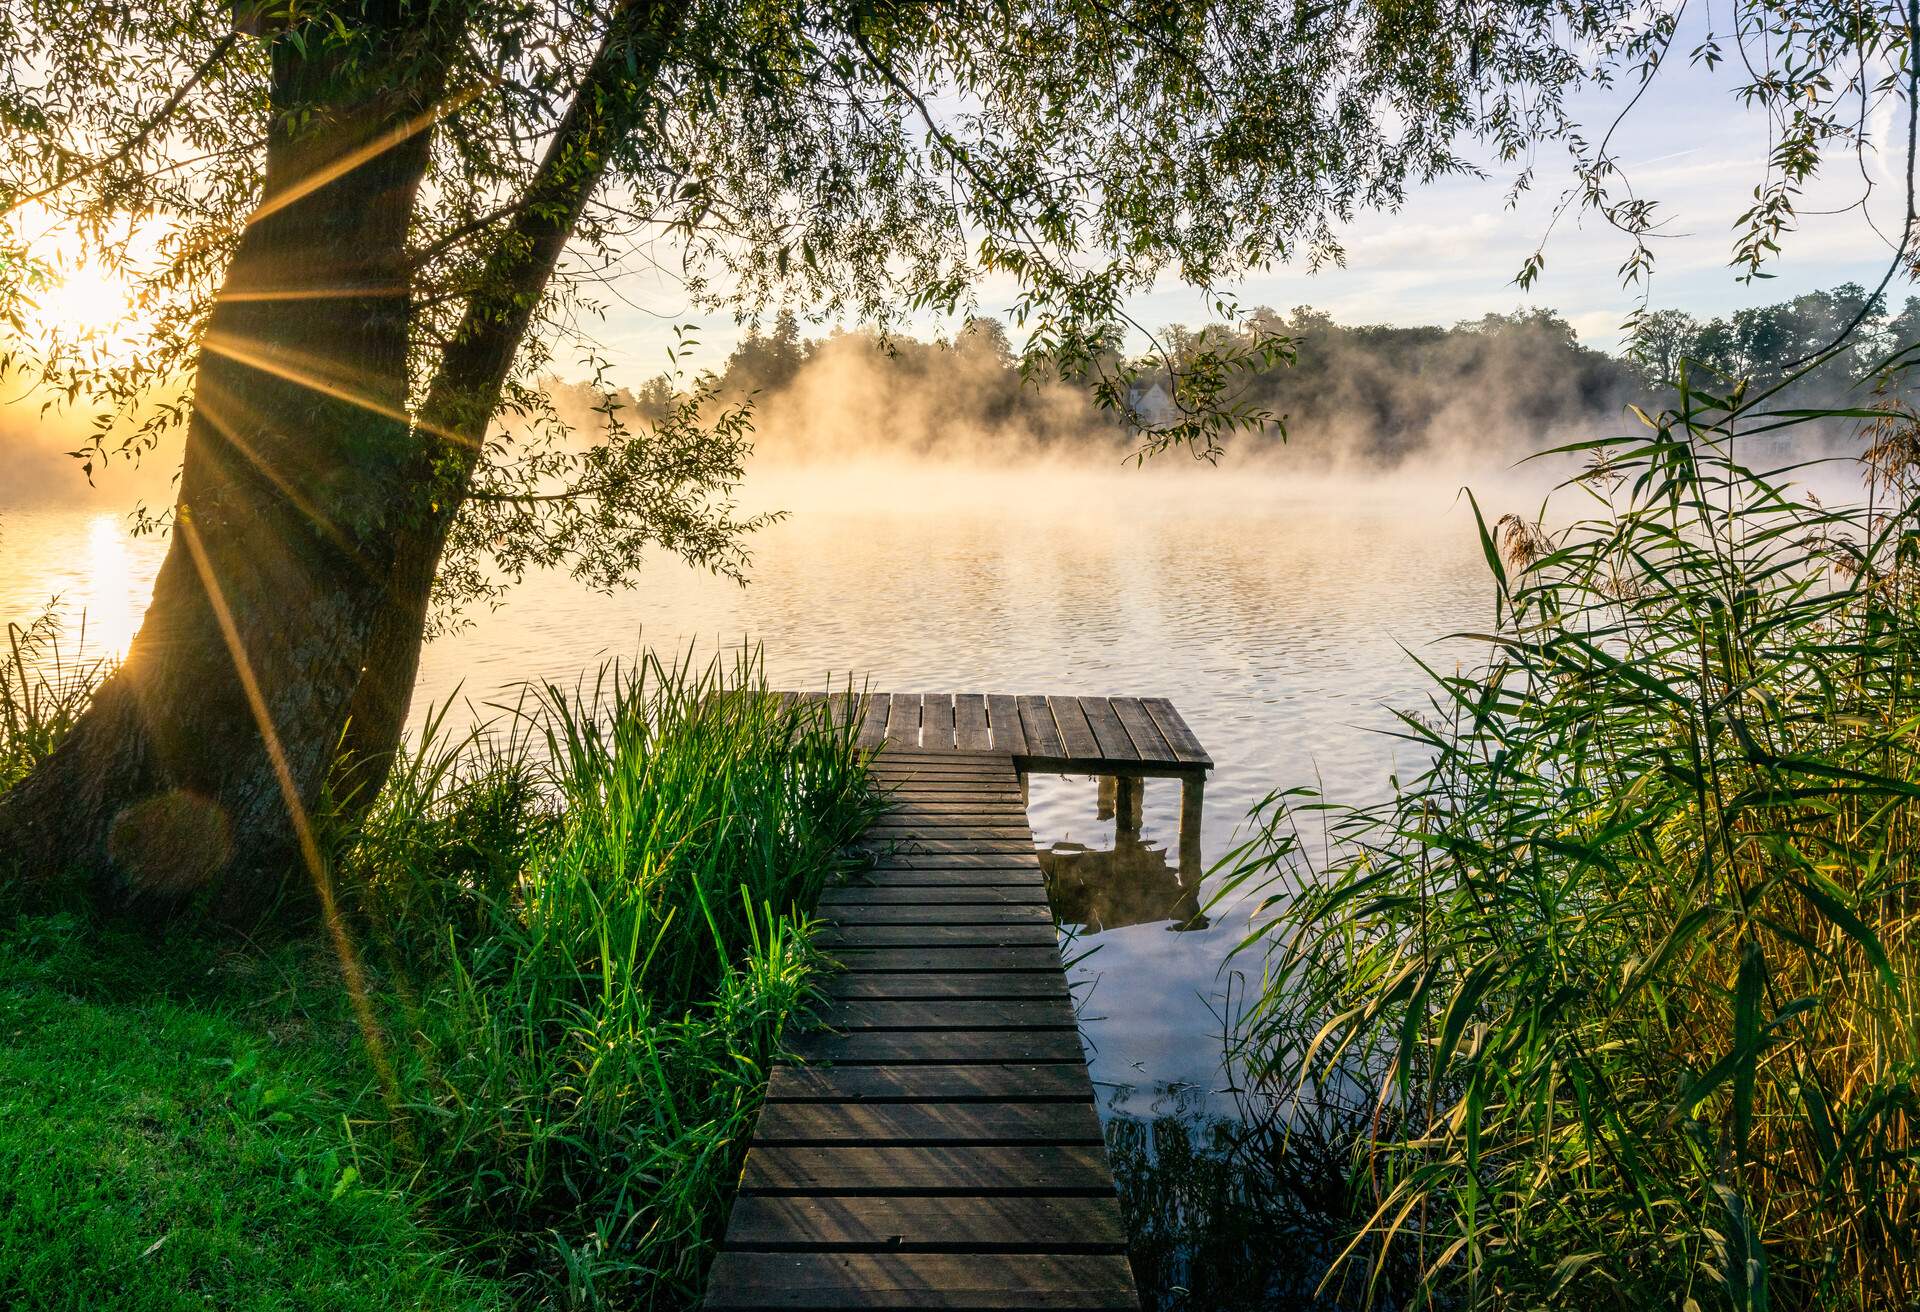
{"points": [[77, 297], [85, 301]]}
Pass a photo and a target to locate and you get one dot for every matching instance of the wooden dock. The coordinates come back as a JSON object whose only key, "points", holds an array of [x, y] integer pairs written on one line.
{"points": [[937, 1144]]}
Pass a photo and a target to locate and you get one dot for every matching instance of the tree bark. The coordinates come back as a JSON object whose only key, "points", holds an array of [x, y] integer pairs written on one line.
{"points": [[200, 760], [613, 97]]}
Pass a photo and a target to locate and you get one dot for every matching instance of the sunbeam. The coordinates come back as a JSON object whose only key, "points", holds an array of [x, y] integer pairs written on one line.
{"points": [[288, 365], [310, 854]]}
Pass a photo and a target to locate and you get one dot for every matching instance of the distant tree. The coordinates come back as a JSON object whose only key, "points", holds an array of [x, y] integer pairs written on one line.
{"points": [[985, 335], [760, 364], [657, 399], [1660, 340], [1763, 343]]}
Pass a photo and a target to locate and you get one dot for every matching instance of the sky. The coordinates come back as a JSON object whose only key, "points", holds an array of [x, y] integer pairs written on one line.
{"points": [[1451, 252]]}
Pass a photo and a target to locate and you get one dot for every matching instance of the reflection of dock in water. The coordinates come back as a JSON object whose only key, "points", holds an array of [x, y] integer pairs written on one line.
{"points": [[938, 1146], [1132, 883]]}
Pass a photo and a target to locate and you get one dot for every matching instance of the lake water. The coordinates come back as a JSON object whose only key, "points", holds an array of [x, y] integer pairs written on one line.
{"points": [[1271, 610]]}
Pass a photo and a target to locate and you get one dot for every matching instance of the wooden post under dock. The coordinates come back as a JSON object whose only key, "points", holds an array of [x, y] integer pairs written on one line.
{"points": [[937, 1144]]}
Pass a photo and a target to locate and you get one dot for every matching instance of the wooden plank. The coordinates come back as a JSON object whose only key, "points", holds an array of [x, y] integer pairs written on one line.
{"points": [[946, 1013], [901, 772], [913, 856], [951, 846], [873, 721], [951, 804], [918, 755], [1036, 722], [993, 986], [1076, 735], [936, 913], [943, 804], [992, 816], [949, 830], [939, 871], [903, 719], [951, 827], [971, 821], [1048, 1082], [905, 1123], [986, 799], [1000, 807], [938, 1047], [970, 722], [954, 842], [896, 870], [955, 878], [954, 1169], [1028, 860], [994, 791], [1086, 1282], [841, 897], [1003, 722], [833, 937], [1186, 748], [907, 960], [936, 721], [928, 1225], [964, 784], [950, 790], [1108, 732], [1148, 742]]}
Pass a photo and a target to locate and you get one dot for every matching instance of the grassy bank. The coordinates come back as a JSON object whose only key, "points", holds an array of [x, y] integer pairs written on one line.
{"points": [[581, 935], [1630, 977], [177, 1130]]}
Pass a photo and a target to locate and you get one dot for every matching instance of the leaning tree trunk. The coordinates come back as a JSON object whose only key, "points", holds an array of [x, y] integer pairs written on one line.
{"points": [[200, 761], [465, 392]]}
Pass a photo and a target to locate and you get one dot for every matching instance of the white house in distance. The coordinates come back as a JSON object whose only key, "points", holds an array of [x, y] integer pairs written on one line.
{"points": [[1149, 403]]}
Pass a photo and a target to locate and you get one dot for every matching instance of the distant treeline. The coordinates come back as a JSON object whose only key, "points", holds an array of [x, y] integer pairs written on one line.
{"points": [[1371, 393]]}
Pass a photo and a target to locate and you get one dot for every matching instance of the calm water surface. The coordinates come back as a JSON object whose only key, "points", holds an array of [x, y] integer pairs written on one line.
{"points": [[1272, 611]]}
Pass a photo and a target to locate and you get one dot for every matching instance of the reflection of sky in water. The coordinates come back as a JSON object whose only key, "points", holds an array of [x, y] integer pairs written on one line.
{"points": [[1270, 614]]}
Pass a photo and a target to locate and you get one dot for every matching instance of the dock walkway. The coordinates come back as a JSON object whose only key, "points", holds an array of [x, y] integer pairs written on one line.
{"points": [[937, 1144]]}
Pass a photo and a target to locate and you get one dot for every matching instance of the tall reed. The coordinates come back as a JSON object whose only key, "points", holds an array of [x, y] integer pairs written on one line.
{"points": [[43, 689], [594, 931], [1632, 971]]}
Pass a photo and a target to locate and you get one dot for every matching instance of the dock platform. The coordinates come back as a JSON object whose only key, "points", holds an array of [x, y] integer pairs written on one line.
{"points": [[936, 1144]]}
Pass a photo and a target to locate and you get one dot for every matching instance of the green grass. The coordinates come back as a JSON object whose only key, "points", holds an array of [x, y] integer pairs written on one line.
{"points": [[583, 936], [172, 1136], [1630, 976]]}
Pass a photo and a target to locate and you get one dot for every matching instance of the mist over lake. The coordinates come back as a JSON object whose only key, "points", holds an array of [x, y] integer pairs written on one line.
{"points": [[1270, 608]]}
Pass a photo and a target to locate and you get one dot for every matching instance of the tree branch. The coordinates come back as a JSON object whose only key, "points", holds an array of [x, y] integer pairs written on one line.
{"points": [[152, 125]]}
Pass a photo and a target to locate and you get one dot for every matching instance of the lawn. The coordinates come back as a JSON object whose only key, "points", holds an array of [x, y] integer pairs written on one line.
{"points": [[176, 1131]]}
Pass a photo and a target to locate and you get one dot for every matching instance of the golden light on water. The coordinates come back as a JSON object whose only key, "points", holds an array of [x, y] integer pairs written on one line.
{"points": [[108, 593]]}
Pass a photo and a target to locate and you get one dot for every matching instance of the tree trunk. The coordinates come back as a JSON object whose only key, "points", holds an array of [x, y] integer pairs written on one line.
{"points": [[287, 618], [200, 760], [465, 392]]}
